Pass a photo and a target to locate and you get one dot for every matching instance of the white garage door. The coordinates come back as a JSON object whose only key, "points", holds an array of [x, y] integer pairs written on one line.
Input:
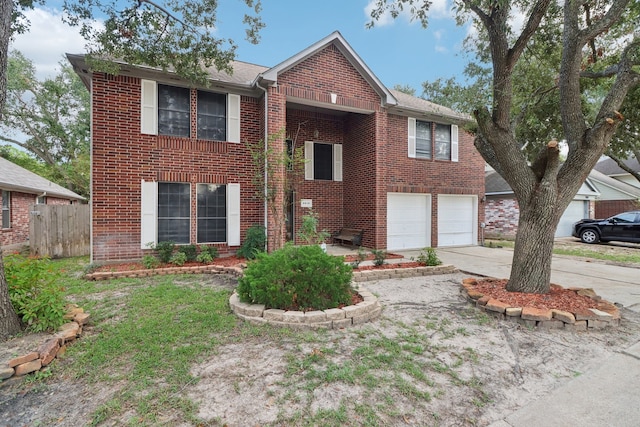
{"points": [[577, 210], [408, 221], [457, 220]]}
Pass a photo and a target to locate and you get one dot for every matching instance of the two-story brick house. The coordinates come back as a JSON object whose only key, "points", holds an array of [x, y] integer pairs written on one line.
{"points": [[172, 162]]}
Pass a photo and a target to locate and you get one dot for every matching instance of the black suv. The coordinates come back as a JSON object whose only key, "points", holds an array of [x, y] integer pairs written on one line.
{"points": [[624, 227]]}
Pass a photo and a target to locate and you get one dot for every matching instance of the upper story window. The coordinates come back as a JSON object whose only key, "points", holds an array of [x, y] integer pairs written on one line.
{"points": [[41, 200], [212, 116], [174, 116], [425, 138], [322, 161], [6, 209], [166, 110]]}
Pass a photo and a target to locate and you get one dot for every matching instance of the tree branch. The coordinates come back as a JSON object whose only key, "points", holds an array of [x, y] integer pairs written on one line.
{"points": [[616, 9], [537, 13], [620, 162]]}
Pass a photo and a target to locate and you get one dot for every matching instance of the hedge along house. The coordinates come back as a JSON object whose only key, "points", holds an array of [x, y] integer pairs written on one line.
{"points": [[172, 162]]}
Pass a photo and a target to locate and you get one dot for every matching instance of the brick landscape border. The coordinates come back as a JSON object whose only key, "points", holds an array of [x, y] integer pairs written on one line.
{"points": [[604, 316], [52, 347]]}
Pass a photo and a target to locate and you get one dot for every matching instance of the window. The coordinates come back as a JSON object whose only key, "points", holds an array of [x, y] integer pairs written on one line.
{"points": [[174, 212], [6, 209], [423, 139], [173, 111], [41, 200], [212, 116], [443, 142], [212, 213], [322, 161], [166, 110]]}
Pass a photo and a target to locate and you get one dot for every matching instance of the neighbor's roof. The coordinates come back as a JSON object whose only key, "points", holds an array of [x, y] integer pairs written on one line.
{"points": [[609, 167], [250, 77], [17, 178], [600, 178], [495, 184]]}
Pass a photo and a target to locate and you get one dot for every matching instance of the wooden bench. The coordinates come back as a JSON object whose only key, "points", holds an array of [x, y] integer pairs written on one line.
{"points": [[352, 235]]}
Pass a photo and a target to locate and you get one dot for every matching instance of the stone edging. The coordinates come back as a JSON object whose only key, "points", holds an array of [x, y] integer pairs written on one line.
{"points": [[606, 315], [400, 273], [333, 318], [215, 269], [50, 349]]}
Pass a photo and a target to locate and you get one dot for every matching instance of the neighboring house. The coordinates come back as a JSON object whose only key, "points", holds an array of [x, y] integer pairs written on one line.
{"points": [[616, 196], [610, 168], [502, 210], [172, 162], [20, 190]]}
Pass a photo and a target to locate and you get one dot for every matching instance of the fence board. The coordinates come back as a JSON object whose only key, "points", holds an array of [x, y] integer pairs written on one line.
{"points": [[59, 231]]}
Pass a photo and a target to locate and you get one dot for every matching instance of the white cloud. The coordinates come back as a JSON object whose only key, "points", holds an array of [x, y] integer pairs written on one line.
{"points": [[438, 9], [48, 40], [441, 49]]}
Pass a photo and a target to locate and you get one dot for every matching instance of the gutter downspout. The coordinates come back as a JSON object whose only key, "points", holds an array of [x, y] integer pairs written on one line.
{"points": [[266, 175]]}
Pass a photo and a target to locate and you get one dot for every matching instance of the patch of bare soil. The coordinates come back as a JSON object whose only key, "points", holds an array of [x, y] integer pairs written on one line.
{"points": [[477, 369]]}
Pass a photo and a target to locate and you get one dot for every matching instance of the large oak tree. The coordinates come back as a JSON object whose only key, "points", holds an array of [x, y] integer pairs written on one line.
{"points": [[544, 186]]}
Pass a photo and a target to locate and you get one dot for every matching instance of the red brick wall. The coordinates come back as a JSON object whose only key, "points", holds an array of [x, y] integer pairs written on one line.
{"points": [[122, 157], [501, 216], [408, 175], [607, 208], [21, 204]]}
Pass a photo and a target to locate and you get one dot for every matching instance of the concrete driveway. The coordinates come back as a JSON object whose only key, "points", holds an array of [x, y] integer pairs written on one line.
{"points": [[614, 283]]}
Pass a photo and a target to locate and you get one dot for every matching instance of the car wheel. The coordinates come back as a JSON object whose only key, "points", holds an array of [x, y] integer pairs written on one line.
{"points": [[589, 236]]}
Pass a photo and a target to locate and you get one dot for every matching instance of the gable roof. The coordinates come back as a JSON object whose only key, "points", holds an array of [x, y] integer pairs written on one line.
{"points": [[336, 39], [17, 178], [411, 104], [495, 185], [609, 167], [623, 190]]}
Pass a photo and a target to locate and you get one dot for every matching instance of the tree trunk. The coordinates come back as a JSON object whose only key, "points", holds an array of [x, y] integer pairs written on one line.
{"points": [[531, 267], [9, 321]]}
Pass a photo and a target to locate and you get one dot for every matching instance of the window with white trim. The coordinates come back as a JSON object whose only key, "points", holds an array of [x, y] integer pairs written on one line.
{"points": [[323, 162], [6, 209], [425, 138], [166, 213], [41, 200], [212, 213], [166, 110], [174, 212]]}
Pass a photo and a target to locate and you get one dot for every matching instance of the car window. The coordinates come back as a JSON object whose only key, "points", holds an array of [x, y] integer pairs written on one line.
{"points": [[625, 217]]}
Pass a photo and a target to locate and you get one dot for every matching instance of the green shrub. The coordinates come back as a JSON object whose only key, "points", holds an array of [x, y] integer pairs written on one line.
{"points": [[165, 250], [428, 256], [309, 229], [204, 257], [254, 243], [212, 251], [178, 258], [301, 277], [150, 261], [361, 256], [378, 256], [191, 251], [35, 292]]}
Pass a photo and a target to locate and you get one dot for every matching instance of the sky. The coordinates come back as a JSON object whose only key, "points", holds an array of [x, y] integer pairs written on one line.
{"points": [[398, 52]]}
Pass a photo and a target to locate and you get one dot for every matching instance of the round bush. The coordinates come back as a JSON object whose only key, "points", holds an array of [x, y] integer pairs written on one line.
{"points": [[297, 278]]}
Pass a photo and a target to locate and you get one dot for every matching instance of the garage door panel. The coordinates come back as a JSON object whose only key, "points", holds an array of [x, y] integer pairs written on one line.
{"points": [[457, 219], [408, 221], [576, 211]]}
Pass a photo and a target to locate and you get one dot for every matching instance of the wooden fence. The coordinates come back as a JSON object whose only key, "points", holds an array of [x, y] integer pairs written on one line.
{"points": [[59, 231]]}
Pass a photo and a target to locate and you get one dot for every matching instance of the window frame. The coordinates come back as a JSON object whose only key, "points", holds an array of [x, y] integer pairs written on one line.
{"points": [[412, 140], [160, 218], [437, 143], [310, 164], [428, 153], [225, 117], [225, 218], [5, 209], [184, 92]]}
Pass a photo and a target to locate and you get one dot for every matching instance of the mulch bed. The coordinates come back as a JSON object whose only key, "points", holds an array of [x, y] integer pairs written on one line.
{"points": [[411, 264], [370, 257], [227, 261], [558, 298]]}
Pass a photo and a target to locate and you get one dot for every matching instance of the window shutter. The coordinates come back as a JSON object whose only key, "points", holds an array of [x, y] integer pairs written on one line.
{"points": [[148, 210], [412, 137], [233, 214], [337, 162], [233, 118], [308, 160], [454, 143], [149, 107]]}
